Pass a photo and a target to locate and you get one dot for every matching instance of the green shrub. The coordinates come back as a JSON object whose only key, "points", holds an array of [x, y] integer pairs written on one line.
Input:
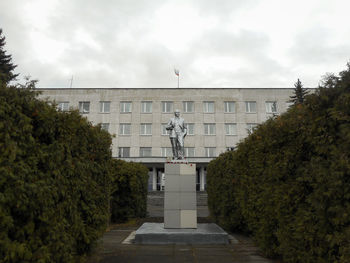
{"points": [[129, 190], [288, 183], [222, 205], [54, 180]]}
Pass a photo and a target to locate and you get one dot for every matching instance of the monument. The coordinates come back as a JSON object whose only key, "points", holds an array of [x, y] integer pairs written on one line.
{"points": [[178, 132], [180, 204]]}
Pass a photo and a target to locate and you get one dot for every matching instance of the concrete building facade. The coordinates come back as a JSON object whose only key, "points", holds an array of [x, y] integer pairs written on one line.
{"points": [[217, 119]]}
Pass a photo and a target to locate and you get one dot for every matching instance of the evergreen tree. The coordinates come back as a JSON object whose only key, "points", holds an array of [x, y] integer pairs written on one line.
{"points": [[329, 80], [299, 93], [288, 183], [6, 66]]}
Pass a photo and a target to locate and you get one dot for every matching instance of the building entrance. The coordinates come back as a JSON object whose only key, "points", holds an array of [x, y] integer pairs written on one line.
{"points": [[160, 179]]}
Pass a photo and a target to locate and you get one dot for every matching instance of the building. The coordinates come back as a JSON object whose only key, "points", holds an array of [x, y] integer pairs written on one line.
{"points": [[217, 119]]}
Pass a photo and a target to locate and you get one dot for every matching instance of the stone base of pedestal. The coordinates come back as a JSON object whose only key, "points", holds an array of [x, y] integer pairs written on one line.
{"points": [[180, 205], [155, 233]]}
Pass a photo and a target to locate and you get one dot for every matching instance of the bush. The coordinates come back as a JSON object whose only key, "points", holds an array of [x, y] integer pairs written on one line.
{"points": [[129, 192], [221, 196], [288, 183], [54, 180]]}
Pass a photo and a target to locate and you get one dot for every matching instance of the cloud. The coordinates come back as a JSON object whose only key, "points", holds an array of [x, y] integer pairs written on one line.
{"points": [[137, 43], [224, 8], [315, 45], [236, 59], [314, 52]]}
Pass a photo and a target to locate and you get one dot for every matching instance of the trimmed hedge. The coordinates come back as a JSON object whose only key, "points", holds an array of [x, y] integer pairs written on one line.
{"points": [[288, 183], [54, 180], [129, 193]]}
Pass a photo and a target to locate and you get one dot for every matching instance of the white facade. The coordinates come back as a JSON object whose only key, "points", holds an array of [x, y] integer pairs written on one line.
{"points": [[217, 118]]}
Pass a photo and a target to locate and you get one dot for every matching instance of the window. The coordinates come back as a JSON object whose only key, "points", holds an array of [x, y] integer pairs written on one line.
{"points": [[188, 106], [189, 151], [124, 152], [271, 106], [146, 106], [164, 130], [63, 106], [209, 128], [209, 151], [250, 106], [229, 106], [125, 106], [208, 106], [124, 129], [251, 127], [84, 106], [190, 128], [167, 106], [105, 126], [146, 129], [230, 149], [231, 128], [167, 152], [145, 151], [105, 106]]}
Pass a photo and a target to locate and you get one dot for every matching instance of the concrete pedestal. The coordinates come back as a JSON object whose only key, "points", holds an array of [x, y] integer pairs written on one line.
{"points": [[180, 213], [180, 206], [155, 233]]}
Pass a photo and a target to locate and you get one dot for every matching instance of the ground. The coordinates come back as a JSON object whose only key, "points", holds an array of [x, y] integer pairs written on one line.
{"points": [[111, 249]]}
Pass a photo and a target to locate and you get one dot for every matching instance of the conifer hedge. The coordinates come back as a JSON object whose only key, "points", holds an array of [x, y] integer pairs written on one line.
{"points": [[288, 183], [59, 185], [57, 177], [129, 190], [54, 180]]}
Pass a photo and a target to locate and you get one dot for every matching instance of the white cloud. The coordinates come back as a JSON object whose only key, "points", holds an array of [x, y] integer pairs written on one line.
{"points": [[177, 26], [136, 43]]}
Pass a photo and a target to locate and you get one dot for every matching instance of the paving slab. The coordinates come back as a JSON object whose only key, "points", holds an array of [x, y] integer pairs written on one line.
{"points": [[111, 249]]}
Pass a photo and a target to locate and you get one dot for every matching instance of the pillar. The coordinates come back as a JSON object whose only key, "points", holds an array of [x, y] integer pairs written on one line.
{"points": [[180, 206], [202, 178], [154, 176]]}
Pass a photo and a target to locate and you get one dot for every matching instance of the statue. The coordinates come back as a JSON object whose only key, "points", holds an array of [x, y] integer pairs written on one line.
{"points": [[178, 132]]}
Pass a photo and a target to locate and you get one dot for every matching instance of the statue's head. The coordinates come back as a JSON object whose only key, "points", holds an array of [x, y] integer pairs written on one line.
{"points": [[177, 113]]}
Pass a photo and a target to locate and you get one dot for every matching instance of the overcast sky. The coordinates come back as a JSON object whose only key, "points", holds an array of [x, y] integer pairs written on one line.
{"points": [[214, 43]]}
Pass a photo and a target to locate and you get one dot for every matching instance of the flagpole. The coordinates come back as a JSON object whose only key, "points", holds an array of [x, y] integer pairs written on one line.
{"points": [[177, 73]]}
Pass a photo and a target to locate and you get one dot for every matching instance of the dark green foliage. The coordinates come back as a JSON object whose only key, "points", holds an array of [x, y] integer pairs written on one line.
{"points": [[54, 180], [299, 93], [222, 195], [6, 66], [288, 183], [129, 192]]}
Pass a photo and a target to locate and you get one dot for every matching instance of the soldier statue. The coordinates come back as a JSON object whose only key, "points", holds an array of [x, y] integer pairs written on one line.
{"points": [[178, 132]]}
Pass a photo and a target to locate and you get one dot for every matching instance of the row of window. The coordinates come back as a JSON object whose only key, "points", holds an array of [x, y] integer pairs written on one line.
{"points": [[167, 152], [209, 128], [167, 106]]}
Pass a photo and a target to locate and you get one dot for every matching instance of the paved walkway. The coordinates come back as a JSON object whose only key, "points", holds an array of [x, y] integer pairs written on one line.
{"points": [[111, 249]]}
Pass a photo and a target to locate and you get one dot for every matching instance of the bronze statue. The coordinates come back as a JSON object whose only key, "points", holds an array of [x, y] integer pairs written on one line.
{"points": [[178, 132]]}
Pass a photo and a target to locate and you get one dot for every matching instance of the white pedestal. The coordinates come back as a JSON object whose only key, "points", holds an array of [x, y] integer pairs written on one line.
{"points": [[180, 204]]}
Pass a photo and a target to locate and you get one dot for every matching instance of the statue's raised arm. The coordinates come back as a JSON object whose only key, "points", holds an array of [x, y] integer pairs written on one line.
{"points": [[169, 126]]}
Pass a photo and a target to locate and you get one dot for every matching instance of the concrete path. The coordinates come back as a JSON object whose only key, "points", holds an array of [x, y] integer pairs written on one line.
{"points": [[111, 250]]}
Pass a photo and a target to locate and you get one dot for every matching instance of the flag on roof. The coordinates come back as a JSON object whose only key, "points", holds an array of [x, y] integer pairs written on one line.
{"points": [[177, 72]]}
